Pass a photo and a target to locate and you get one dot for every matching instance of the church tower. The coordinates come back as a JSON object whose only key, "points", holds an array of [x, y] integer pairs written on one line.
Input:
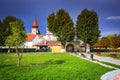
{"points": [[35, 29]]}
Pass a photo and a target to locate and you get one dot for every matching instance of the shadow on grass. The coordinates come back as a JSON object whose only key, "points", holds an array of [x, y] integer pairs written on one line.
{"points": [[50, 62], [7, 65], [47, 63], [55, 62]]}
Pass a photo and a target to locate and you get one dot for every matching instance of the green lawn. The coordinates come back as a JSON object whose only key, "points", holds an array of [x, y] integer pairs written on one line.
{"points": [[49, 66]]}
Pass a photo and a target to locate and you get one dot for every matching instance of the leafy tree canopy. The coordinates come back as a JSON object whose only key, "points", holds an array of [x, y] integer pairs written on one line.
{"points": [[115, 41], [104, 42], [61, 25], [5, 28], [111, 41], [18, 34], [87, 26]]}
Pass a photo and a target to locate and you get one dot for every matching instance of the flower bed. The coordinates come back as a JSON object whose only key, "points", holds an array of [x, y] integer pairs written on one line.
{"points": [[113, 54], [98, 53], [83, 55], [41, 50]]}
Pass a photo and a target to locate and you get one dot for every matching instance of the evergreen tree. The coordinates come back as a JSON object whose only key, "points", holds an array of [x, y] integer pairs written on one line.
{"points": [[87, 27], [62, 26]]}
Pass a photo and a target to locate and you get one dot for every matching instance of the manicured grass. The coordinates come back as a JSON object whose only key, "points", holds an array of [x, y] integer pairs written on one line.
{"points": [[49, 66]]}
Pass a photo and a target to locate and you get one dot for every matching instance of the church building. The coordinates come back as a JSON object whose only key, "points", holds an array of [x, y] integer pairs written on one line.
{"points": [[41, 41]]}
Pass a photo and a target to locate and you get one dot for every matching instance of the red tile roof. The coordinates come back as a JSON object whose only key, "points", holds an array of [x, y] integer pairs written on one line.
{"points": [[30, 36]]}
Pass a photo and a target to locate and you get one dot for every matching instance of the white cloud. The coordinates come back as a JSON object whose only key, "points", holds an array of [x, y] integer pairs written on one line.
{"points": [[113, 18]]}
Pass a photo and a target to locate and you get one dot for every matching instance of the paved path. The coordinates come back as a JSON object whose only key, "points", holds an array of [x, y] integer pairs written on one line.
{"points": [[87, 57], [105, 59]]}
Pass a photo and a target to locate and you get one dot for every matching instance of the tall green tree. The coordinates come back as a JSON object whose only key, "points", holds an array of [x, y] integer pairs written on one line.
{"points": [[18, 36], [5, 29], [62, 26], [87, 27]]}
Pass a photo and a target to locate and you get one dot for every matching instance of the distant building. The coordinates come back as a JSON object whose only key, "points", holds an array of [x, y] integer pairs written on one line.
{"points": [[41, 41]]}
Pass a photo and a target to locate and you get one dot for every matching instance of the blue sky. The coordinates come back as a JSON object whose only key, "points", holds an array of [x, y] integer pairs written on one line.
{"points": [[107, 10]]}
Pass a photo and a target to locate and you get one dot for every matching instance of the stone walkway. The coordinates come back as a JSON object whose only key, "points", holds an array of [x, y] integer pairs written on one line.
{"points": [[105, 59], [87, 57]]}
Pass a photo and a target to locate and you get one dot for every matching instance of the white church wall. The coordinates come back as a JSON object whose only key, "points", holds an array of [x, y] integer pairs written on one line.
{"points": [[28, 44]]}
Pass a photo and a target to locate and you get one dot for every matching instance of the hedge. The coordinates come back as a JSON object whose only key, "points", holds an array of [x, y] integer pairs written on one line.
{"points": [[105, 50], [13, 50]]}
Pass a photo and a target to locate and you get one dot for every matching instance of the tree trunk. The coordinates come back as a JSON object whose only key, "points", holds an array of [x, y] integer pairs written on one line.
{"points": [[63, 48], [18, 55], [87, 48], [9, 49]]}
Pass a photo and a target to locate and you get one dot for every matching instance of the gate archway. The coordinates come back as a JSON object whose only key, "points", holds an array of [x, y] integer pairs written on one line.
{"points": [[70, 48]]}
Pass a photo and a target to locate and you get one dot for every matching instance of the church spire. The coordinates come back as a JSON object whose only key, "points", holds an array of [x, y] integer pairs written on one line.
{"points": [[35, 24], [35, 29]]}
